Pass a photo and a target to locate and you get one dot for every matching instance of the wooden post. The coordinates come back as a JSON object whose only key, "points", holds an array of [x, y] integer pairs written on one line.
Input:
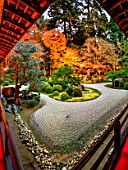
{"points": [[117, 142]]}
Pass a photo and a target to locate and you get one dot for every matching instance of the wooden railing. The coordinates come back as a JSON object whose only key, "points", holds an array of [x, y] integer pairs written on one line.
{"points": [[10, 152], [104, 154]]}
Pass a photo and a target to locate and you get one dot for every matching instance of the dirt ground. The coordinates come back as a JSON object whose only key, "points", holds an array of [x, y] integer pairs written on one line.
{"points": [[27, 159]]}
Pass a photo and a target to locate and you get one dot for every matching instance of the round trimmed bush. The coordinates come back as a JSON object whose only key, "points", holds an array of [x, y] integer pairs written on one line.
{"points": [[64, 96], [43, 78], [10, 80], [44, 86], [6, 83], [126, 86], [55, 93], [126, 80], [37, 98], [49, 89], [31, 103], [95, 80], [1, 80], [69, 90], [77, 92], [57, 87]]}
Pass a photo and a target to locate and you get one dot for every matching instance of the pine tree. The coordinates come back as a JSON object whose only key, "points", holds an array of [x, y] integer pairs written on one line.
{"points": [[24, 69], [114, 33], [65, 15]]}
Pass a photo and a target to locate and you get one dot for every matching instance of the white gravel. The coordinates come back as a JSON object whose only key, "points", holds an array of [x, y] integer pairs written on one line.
{"points": [[57, 122]]}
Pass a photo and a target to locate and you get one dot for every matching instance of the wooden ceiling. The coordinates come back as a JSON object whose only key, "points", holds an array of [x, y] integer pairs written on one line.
{"points": [[118, 10], [17, 16]]}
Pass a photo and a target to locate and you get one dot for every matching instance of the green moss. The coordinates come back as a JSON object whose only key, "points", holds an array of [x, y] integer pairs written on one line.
{"points": [[90, 95]]}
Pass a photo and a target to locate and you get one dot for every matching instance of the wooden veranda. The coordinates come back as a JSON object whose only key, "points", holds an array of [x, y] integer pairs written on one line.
{"points": [[16, 17]]}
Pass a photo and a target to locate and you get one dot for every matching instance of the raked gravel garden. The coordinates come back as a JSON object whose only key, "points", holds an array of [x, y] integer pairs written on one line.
{"points": [[67, 126]]}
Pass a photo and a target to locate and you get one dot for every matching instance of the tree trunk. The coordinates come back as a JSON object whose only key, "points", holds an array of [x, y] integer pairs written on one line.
{"points": [[65, 29]]}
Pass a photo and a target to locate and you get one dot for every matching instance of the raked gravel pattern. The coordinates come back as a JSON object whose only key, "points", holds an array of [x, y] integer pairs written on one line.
{"points": [[57, 123]]}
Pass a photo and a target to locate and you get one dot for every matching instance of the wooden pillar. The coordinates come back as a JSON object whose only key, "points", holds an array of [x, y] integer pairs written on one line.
{"points": [[1, 9]]}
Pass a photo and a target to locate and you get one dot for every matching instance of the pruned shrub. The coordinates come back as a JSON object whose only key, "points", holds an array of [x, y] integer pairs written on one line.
{"points": [[57, 87], [55, 93], [77, 92], [126, 86], [31, 103], [37, 98], [96, 80], [126, 80], [64, 96], [122, 84], [1, 80], [44, 86], [69, 90], [63, 83], [49, 89], [43, 78], [10, 80], [6, 83]]}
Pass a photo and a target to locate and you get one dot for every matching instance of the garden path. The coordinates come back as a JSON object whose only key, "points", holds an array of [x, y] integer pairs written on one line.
{"points": [[58, 123]]}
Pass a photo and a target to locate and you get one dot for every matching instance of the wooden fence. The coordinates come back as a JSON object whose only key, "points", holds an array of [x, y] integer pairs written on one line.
{"points": [[105, 152], [12, 161]]}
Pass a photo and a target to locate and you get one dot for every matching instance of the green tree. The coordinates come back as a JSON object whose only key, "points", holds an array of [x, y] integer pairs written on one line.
{"points": [[66, 15], [64, 75], [23, 68], [94, 19], [114, 33]]}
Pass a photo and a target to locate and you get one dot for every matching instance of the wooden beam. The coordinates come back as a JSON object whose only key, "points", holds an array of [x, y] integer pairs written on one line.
{"points": [[119, 2], [8, 38], [19, 14], [31, 6], [6, 45], [123, 20], [6, 48], [3, 52], [10, 35], [15, 23], [6, 42], [125, 26], [120, 13], [1, 9], [12, 30]]}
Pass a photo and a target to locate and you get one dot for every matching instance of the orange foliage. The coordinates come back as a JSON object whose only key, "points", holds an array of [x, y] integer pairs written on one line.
{"points": [[70, 57], [56, 42], [98, 56]]}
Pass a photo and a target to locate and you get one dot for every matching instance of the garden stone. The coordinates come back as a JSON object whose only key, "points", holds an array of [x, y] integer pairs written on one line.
{"points": [[64, 168], [14, 108], [9, 109], [45, 151], [4, 101]]}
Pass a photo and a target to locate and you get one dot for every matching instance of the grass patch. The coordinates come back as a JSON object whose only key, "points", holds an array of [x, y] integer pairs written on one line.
{"points": [[25, 115], [90, 95]]}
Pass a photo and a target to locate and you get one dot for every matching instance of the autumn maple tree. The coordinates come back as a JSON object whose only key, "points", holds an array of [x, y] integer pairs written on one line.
{"points": [[98, 55]]}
